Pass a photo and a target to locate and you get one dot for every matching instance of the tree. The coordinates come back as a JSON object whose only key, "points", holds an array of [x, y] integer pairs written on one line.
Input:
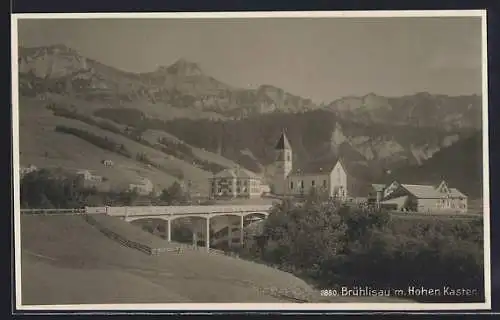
{"points": [[302, 234], [316, 196], [128, 197], [53, 188], [174, 195]]}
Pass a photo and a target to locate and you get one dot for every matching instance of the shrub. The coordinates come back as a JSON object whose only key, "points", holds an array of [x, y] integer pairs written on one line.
{"points": [[340, 245]]}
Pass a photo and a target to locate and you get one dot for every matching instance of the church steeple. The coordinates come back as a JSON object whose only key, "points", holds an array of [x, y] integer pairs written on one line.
{"points": [[283, 164], [283, 143]]}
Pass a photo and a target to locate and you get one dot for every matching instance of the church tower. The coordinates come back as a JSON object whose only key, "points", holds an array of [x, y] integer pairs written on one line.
{"points": [[283, 164]]}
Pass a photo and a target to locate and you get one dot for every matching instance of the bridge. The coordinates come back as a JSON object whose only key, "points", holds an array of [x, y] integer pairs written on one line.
{"points": [[170, 213]]}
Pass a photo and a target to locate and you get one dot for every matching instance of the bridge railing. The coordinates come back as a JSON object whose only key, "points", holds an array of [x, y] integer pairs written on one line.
{"points": [[153, 210], [179, 210]]}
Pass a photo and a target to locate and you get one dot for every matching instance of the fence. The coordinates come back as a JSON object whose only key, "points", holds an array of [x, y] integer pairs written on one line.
{"points": [[437, 215], [52, 211]]}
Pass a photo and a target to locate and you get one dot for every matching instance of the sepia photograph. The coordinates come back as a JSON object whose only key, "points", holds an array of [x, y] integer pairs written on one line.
{"points": [[268, 160]]}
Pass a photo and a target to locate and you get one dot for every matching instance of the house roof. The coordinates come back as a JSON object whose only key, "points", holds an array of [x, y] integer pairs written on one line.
{"points": [[143, 180], [395, 200], [236, 172], [456, 193], [326, 165], [315, 167], [318, 165], [283, 143], [427, 191], [422, 191], [226, 173]]}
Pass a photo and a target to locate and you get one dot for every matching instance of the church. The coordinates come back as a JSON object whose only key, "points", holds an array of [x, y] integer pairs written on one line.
{"points": [[328, 176]]}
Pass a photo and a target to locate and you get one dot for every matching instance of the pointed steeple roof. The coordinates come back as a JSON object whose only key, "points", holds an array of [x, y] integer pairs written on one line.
{"points": [[283, 143]]}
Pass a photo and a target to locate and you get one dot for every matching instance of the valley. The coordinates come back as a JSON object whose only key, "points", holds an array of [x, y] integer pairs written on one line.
{"points": [[179, 124]]}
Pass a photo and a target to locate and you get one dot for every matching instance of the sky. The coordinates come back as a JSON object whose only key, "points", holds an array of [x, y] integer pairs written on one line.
{"points": [[323, 59]]}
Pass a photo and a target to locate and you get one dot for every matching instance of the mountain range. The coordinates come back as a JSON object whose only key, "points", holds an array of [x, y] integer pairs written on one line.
{"points": [[372, 132]]}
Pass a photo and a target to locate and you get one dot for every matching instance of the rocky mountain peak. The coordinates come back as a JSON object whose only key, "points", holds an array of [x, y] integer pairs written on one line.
{"points": [[183, 67]]}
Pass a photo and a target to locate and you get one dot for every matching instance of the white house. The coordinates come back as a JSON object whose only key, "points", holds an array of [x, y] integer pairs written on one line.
{"points": [[88, 179], [108, 163], [89, 176], [327, 175]]}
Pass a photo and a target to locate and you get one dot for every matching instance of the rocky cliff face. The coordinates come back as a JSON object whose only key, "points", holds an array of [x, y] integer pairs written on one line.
{"points": [[388, 149], [319, 134], [460, 164], [419, 110]]}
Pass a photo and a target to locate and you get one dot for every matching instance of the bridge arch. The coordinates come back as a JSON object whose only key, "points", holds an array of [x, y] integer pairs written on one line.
{"points": [[157, 225], [172, 217], [263, 214], [137, 218], [207, 213]]}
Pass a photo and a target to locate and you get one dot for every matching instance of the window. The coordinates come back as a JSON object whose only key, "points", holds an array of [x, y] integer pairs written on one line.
{"points": [[312, 183], [302, 184], [324, 183], [288, 156], [291, 185]]}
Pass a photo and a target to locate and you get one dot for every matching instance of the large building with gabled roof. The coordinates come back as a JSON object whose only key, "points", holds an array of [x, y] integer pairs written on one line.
{"points": [[235, 183], [423, 198], [328, 175]]}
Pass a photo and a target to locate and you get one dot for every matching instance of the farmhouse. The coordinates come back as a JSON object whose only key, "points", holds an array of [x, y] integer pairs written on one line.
{"points": [[89, 176], [108, 163], [423, 198], [326, 175], [235, 183], [143, 187], [88, 179]]}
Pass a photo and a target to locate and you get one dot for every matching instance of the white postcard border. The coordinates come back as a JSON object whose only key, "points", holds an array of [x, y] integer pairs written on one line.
{"points": [[254, 306]]}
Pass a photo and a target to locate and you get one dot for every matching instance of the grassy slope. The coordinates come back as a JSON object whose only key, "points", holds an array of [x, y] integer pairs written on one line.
{"points": [[133, 232], [71, 262], [83, 266], [153, 135], [37, 136]]}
